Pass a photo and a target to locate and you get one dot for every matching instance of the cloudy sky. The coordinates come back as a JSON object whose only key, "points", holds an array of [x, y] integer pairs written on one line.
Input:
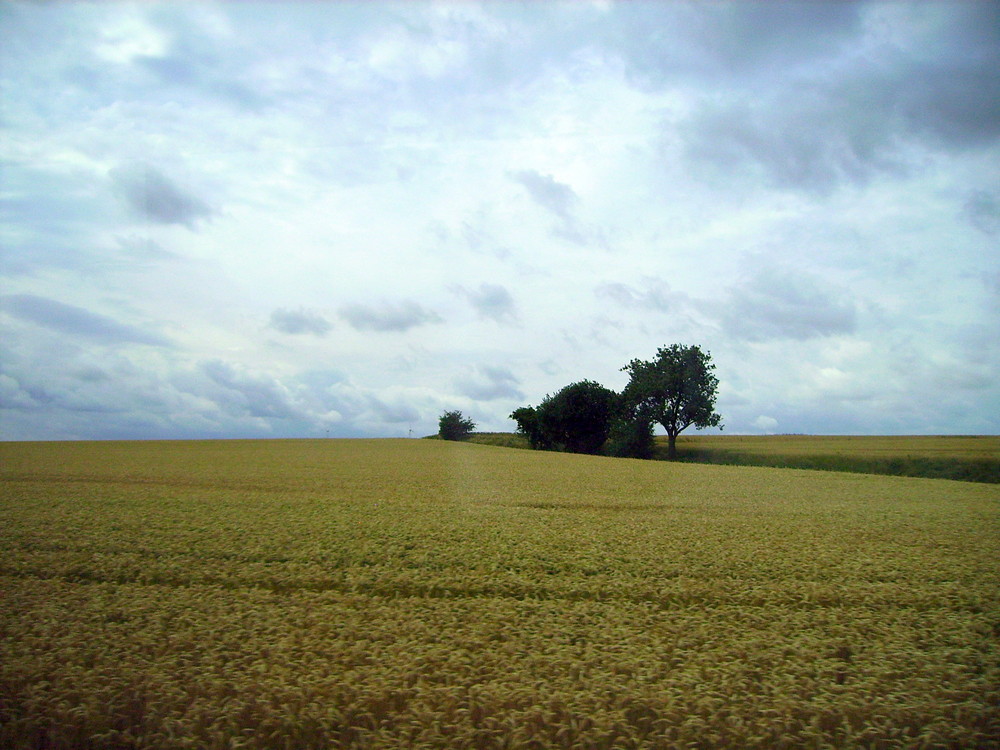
{"points": [[286, 219]]}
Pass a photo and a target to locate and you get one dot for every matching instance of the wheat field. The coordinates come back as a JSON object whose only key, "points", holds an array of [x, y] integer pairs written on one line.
{"points": [[425, 594], [956, 447], [973, 458]]}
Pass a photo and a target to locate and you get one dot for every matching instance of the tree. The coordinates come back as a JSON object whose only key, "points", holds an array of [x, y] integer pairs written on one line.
{"points": [[528, 424], [579, 416], [576, 419], [630, 435], [454, 426], [677, 389]]}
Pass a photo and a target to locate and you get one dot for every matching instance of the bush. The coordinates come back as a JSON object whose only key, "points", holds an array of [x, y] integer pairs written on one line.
{"points": [[630, 437], [577, 419], [529, 426]]}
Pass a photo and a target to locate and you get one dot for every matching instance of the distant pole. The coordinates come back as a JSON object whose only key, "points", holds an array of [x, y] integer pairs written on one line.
{"points": [[328, 434]]}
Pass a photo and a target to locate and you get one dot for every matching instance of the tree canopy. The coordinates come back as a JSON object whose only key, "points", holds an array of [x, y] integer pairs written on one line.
{"points": [[631, 434], [529, 425], [454, 426], [677, 389], [576, 419]]}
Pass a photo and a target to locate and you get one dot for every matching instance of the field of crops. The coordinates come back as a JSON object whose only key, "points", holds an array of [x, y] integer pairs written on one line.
{"points": [[972, 458], [417, 593], [967, 458], [956, 447]]}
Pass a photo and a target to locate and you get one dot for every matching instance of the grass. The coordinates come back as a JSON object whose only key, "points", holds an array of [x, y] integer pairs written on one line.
{"points": [[502, 439], [963, 458], [960, 457], [415, 593]]}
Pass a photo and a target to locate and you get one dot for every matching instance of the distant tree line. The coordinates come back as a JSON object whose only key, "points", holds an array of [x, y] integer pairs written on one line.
{"points": [[676, 389]]}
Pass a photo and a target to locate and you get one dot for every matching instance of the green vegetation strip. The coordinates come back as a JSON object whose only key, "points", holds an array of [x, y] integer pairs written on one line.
{"points": [[982, 470], [962, 458], [431, 594]]}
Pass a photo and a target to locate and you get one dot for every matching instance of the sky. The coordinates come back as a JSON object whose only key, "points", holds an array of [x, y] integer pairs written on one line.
{"points": [[284, 219]]}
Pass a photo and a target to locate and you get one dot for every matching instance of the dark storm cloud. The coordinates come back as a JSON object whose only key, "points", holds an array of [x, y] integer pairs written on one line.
{"points": [[955, 104], [750, 35], [75, 321], [948, 83], [299, 321], [547, 192], [492, 301], [842, 111], [727, 42], [151, 195], [490, 383], [388, 317], [776, 304], [806, 141]]}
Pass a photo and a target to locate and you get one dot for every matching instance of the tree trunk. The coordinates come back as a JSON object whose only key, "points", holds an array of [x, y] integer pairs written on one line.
{"points": [[671, 445]]}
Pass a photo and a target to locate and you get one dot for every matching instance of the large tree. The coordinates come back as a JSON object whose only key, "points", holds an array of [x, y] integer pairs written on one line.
{"points": [[676, 389]]}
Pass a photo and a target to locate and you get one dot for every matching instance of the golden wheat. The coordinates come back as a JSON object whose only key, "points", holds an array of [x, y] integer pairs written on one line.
{"points": [[386, 594]]}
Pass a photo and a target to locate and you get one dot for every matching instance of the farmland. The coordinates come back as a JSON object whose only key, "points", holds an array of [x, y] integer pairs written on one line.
{"points": [[954, 447], [970, 458], [415, 593]]}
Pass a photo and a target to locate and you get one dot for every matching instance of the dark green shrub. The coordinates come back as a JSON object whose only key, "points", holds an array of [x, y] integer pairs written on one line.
{"points": [[454, 426], [577, 419], [630, 437]]}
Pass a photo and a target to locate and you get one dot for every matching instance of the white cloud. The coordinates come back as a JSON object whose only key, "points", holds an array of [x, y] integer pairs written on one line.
{"points": [[127, 36], [766, 424]]}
